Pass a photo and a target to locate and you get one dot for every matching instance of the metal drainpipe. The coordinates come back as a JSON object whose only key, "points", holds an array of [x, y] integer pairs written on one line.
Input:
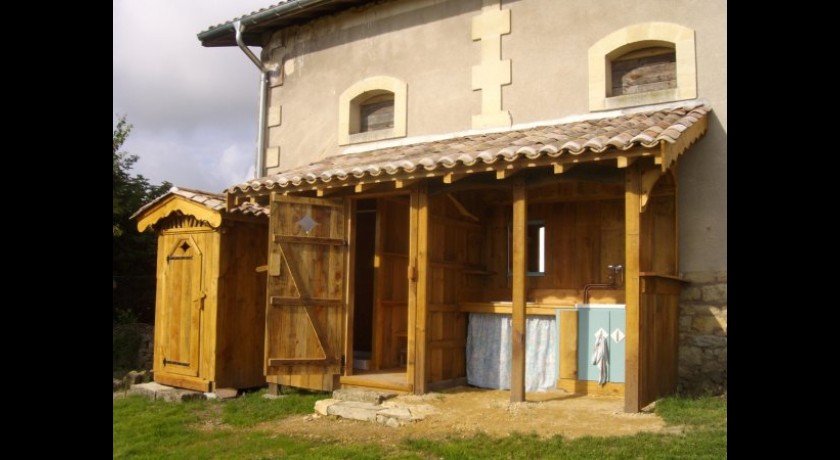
{"points": [[264, 71]]}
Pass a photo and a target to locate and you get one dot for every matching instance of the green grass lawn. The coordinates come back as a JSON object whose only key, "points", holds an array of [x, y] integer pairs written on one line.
{"points": [[155, 429]]}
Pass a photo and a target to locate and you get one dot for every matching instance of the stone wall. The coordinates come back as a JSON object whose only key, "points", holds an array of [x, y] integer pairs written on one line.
{"points": [[702, 354], [133, 346]]}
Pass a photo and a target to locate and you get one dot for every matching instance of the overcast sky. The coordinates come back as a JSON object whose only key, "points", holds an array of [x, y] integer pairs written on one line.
{"points": [[194, 109]]}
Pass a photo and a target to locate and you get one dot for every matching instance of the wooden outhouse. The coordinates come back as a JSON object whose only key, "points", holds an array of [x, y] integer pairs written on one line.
{"points": [[210, 303]]}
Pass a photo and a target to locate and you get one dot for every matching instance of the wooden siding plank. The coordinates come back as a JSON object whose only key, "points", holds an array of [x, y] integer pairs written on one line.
{"points": [[568, 344], [309, 240], [279, 301]]}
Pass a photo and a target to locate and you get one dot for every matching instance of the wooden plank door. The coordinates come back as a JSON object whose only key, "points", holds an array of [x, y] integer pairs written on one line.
{"points": [[183, 301], [306, 307]]}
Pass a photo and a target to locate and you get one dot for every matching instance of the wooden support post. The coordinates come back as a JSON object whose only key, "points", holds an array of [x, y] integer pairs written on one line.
{"points": [[350, 285], [632, 202], [411, 345], [273, 389], [418, 297], [520, 230]]}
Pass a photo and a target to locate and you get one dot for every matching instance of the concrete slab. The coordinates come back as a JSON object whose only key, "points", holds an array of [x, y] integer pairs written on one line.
{"points": [[389, 414], [399, 413], [154, 390], [322, 406], [226, 393]]}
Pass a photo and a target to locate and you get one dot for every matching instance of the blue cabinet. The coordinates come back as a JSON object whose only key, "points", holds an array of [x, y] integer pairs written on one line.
{"points": [[601, 319]]}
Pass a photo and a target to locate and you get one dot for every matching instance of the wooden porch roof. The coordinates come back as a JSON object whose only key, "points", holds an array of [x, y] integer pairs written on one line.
{"points": [[663, 131], [205, 206]]}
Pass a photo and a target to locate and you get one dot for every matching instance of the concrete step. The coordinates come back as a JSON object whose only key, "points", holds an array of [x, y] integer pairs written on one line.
{"points": [[361, 395], [389, 414]]}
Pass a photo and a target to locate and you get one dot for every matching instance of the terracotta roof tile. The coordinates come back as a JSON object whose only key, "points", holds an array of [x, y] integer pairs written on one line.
{"points": [[214, 201], [632, 128]]}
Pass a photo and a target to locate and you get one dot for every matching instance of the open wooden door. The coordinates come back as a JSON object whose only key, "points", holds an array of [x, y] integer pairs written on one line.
{"points": [[183, 301], [305, 313]]}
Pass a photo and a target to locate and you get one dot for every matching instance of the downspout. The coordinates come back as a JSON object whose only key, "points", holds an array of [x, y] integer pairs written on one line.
{"points": [[263, 106]]}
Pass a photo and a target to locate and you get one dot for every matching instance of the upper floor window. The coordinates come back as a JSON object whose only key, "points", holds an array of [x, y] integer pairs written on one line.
{"points": [[371, 110], [376, 111], [642, 64], [644, 70]]}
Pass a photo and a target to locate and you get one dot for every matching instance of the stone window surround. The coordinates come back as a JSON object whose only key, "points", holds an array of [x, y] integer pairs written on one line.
{"points": [[632, 38], [348, 109]]}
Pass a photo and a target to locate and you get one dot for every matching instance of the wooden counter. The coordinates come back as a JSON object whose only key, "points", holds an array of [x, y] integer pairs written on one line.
{"points": [[502, 307]]}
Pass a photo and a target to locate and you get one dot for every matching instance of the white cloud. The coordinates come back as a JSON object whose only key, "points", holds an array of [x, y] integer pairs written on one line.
{"points": [[194, 109]]}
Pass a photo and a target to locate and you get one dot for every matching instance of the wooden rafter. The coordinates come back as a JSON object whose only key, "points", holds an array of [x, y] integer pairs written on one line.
{"points": [[623, 162], [451, 177], [461, 208], [404, 183]]}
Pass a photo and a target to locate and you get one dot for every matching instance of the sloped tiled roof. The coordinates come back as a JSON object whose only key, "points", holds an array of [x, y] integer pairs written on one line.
{"points": [[631, 128], [266, 20], [252, 13], [213, 201]]}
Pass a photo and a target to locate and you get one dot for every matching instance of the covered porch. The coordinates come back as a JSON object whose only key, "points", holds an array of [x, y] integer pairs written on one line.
{"points": [[378, 261]]}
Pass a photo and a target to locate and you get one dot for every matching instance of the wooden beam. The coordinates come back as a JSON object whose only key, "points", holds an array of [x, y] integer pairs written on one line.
{"points": [[332, 190], [506, 172], [404, 183], [649, 178], [230, 201], [274, 265], [350, 283], [276, 196], [461, 208], [420, 367], [364, 186], [568, 344], [273, 362], [623, 162], [411, 338], [452, 177], [519, 292], [632, 203], [309, 240], [283, 301], [560, 168]]}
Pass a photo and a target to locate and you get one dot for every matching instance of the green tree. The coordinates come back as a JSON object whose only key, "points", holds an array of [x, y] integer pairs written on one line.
{"points": [[133, 252]]}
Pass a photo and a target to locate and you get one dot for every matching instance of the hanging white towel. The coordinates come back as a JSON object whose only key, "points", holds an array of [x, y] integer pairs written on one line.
{"points": [[601, 357]]}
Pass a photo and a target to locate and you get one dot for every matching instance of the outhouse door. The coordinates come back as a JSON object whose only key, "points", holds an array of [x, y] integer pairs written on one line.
{"points": [[305, 314], [183, 301]]}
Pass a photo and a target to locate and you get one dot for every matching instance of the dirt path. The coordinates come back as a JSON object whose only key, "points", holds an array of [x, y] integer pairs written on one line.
{"points": [[465, 411]]}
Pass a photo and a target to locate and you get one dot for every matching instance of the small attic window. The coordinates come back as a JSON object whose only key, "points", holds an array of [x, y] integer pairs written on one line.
{"points": [[644, 70], [641, 64], [376, 112]]}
